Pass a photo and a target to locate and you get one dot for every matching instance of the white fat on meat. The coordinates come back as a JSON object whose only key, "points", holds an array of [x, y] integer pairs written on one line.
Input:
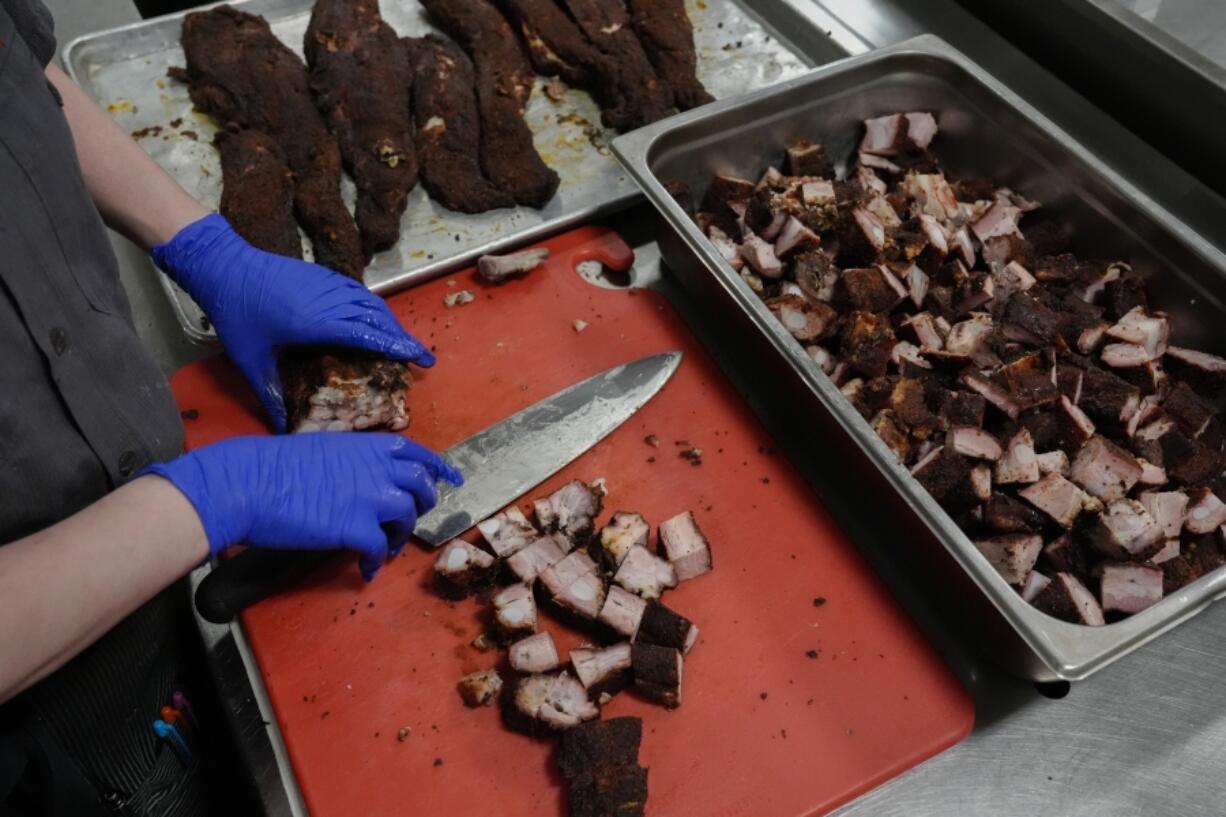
{"points": [[726, 247], [967, 338], [884, 212], [1066, 592], [926, 332], [558, 701], [794, 237], [495, 268], [816, 192], [1205, 362], [917, 285], [1125, 530], [531, 561], [1055, 496], [921, 128], [884, 135], [1151, 332], [508, 532], [933, 195], [1013, 278], [1105, 470], [821, 357], [515, 608], [685, 546], [1129, 588], [622, 611], [1125, 355], [761, 258], [1169, 551], [1077, 417], [1019, 464], [935, 233], [893, 282], [1000, 220], [962, 242], [804, 321], [1152, 476], [624, 531], [536, 653], [571, 509], [973, 442], [1090, 338], [981, 482], [595, 666], [1206, 513], [909, 352], [869, 180], [575, 583], [990, 392], [458, 556], [1035, 584], [871, 226], [1053, 462], [1168, 508], [645, 574], [1013, 555], [878, 162]]}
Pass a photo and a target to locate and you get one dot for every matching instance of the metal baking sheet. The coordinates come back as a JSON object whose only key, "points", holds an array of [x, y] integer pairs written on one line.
{"points": [[125, 68], [985, 130]]}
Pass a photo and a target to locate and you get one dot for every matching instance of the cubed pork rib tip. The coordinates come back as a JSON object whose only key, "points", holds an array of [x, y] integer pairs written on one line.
{"points": [[530, 561], [645, 574], [599, 761], [683, 543], [657, 673], [622, 611], [575, 584], [480, 688], [343, 390], [1125, 530], [1129, 588], [508, 532], [462, 569], [556, 701], [1205, 513], [1065, 597], [602, 671], [1105, 470], [498, 268], [515, 612], [534, 654], [570, 511], [1059, 498], [625, 530], [665, 628], [1013, 555]]}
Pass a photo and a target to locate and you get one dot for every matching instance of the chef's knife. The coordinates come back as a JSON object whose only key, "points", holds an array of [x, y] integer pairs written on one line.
{"points": [[499, 464]]}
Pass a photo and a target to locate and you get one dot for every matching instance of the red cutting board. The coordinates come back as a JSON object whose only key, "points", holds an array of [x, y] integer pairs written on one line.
{"points": [[790, 708]]}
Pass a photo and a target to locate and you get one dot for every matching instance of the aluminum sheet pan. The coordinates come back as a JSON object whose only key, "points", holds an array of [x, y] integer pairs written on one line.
{"points": [[125, 70], [985, 130]]}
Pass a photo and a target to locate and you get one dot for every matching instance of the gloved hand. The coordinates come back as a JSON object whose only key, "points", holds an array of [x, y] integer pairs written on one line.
{"points": [[261, 303], [360, 491]]}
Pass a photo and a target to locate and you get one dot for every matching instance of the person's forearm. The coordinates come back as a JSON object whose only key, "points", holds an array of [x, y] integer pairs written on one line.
{"points": [[63, 587], [134, 195]]}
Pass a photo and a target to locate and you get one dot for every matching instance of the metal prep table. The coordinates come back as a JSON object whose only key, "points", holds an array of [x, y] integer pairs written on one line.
{"points": [[1143, 736]]}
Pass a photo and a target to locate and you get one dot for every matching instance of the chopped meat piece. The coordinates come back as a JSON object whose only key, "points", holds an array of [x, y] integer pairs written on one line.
{"points": [[576, 585], [602, 670], [1169, 551], [530, 561], [362, 79], [1068, 599], [942, 473], [1126, 293], [907, 401], [727, 248], [668, 38], [1005, 514], [1060, 499], [1152, 475], [1187, 461], [934, 197], [926, 332], [966, 338], [1206, 513], [760, 256], [1019, 463], [681, 193], [498, 268], [993, 394], [1107, 399], [1130, 588], [611, 790], [1125, 355], [723, 190], [822, 357], [1053, 462], [570, 511], [623, 532], [1091, 337], [508, 532], [1028, 381], [795, 237], [772, 179], [886, 427], [862, 237], [645, 574], [257, 193], [685, 546], [869, 290], [816, 275], [448, 128], [1199, 368], [663, 627], [1125, 530], [599, 744], [917, 285], [878, 162], [557, 701], [1035, 584], [898, 133], [867, 344], [1000, 220], [480, 688], [515, 611], [536, 653], [504, 80], [808, 159], [1030, 318], [634, 94], [461, 569], [1079, 422], [623, 611], [1105, 470], [1013, 555], [657, 673], [1168, 508], [1149, 332], [805, 320], [1189, 410], [980, 480]]}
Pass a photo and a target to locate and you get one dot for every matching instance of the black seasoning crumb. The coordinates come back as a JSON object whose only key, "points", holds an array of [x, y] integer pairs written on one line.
{"points": [[811, 653], [190, 414], [819, 601], [376, 734], [763, 696], [652, 440], [370, 604], [353, 611], [783, 733], [438, 761], [174, 123], [305, 699], [651, 459], [766, 480], [809, 702], [324, 714]]}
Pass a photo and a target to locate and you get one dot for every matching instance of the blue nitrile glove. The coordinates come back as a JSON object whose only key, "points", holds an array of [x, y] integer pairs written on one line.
{"points": [[261, 303], [313, 491]]}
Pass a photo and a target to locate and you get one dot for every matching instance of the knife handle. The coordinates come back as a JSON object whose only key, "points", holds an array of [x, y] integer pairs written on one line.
{"points": [[253, 575]]}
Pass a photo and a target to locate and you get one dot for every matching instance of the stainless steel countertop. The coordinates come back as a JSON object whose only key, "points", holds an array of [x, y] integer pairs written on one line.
{"points": [[1142, 737]]}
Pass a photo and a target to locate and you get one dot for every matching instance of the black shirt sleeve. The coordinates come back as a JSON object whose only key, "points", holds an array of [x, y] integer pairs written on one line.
{"points": [[35, 26]]}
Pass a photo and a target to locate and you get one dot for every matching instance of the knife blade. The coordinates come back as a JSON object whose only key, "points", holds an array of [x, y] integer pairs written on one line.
{"points": [[499, 464]]}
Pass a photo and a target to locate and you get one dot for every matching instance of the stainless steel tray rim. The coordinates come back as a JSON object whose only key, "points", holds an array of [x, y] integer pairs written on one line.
{"points": [[1070, 651]]}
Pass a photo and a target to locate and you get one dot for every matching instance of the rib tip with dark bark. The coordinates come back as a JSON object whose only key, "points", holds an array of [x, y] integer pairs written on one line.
{"points": [[668, 38]]}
